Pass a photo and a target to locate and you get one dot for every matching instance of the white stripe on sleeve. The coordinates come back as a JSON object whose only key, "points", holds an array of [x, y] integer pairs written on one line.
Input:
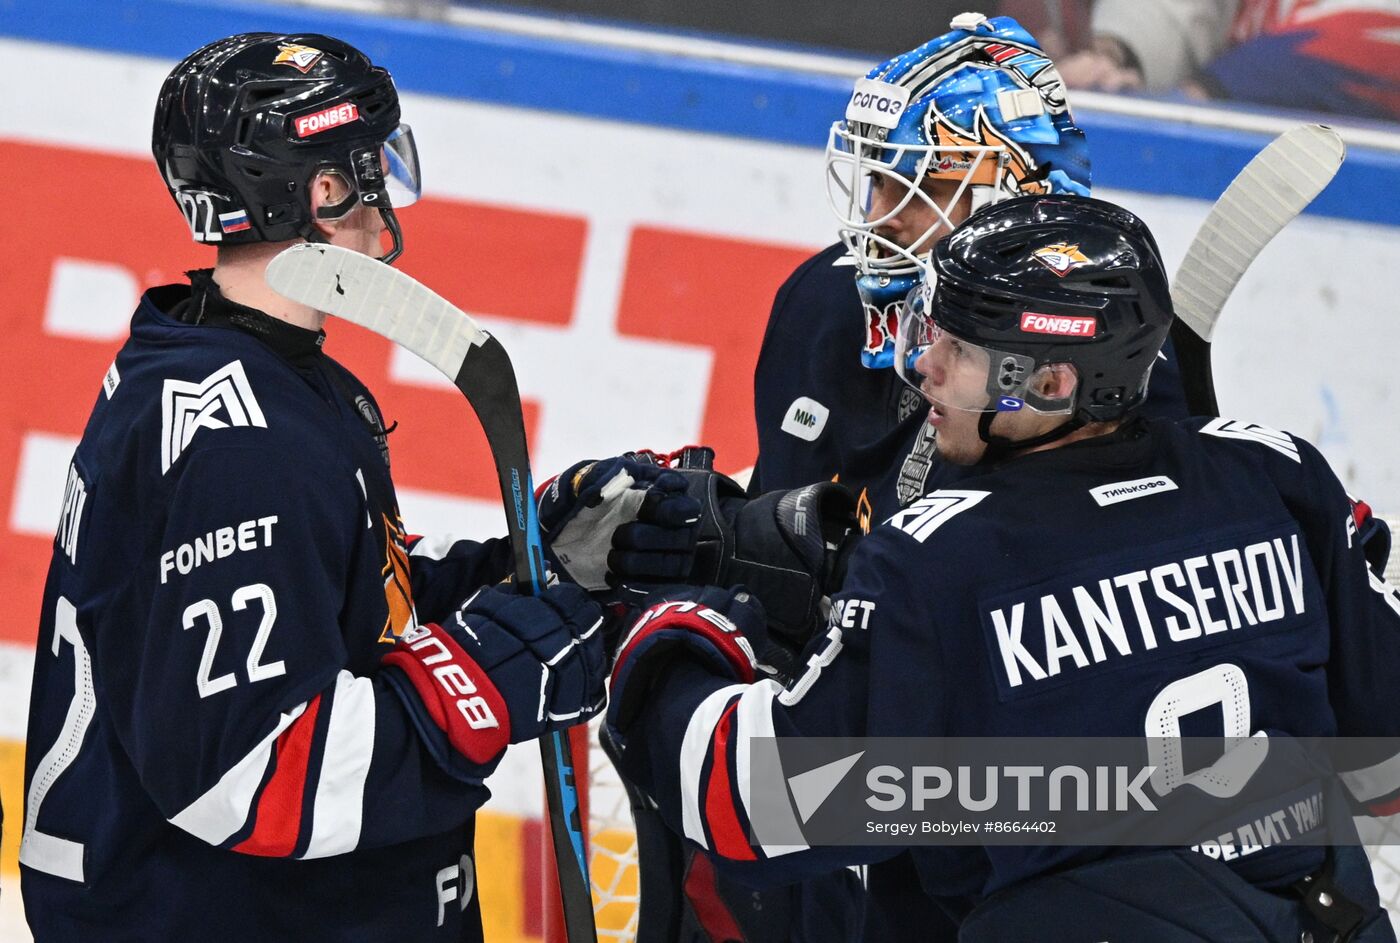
{"points": [[754, 718], [434, 546], [340, 787], [1373, 782], [695, 747], [223, 810]]}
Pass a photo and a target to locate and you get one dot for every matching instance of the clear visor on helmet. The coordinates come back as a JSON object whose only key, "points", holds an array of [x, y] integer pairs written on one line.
{"points": [[389, 172], [872, 183], [401, 178], [386, 175], [953, 373]]}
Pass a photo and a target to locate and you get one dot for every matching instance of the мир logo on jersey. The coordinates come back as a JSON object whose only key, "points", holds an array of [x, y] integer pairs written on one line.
{"points": [[1060, 257]]}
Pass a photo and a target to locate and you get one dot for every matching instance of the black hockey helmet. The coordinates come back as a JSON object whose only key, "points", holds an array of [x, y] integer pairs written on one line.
{"points": [[1043, 280], [244, 124]]}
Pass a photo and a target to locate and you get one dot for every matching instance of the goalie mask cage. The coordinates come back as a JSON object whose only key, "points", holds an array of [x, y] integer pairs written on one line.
{"points": [[616, 870]]}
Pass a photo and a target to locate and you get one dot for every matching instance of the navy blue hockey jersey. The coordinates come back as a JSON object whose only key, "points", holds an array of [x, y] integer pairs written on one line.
{"points": [[212, 754], [821, 415], [1205, 548]]}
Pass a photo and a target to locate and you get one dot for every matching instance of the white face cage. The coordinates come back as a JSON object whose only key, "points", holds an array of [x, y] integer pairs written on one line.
{"points": [[853, 161]]}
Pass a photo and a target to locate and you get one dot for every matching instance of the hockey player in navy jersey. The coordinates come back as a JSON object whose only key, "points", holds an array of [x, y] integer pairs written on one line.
{"points": [[1032, 344], [261, 711], [971, 117]]}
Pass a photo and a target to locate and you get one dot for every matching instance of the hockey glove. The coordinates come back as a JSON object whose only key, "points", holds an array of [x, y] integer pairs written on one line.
{"points": [[618, 520], [787, 548], [718, 628], [504, 669]]}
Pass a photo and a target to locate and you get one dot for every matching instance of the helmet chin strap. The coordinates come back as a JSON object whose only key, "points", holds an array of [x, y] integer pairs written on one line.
{"points": [[391, 223], [1000, 447]]}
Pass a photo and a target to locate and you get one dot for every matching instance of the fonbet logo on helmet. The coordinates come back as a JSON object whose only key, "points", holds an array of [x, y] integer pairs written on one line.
{"points": [[326, 118], [299, 57], [1035, 323], [1060, 258]]}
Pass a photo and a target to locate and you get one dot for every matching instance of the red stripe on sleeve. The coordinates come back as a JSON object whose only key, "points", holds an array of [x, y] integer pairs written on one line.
{"points": [[278, 822], [1383, 809], [720, 813]]}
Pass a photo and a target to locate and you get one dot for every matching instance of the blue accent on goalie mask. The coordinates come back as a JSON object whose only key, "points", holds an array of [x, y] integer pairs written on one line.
{"points": [[882, 299], [981, 107]]}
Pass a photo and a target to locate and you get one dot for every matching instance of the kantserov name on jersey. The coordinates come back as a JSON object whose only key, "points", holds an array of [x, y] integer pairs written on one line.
{"points": [[216, 545], [1089, 624]]}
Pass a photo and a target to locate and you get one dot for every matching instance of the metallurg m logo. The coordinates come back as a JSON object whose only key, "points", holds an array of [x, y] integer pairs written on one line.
{"points": [[186, 407]]}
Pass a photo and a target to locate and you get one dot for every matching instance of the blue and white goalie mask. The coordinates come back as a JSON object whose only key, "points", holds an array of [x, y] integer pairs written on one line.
{"points": [[969, 118]]}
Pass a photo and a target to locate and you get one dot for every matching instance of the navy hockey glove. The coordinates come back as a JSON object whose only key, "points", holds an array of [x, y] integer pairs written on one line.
{"points": [[721, 629], [504, 669], [618, 521], [787, 548]]}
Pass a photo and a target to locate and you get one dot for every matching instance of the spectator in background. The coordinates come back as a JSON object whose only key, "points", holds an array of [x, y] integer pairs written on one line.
{"points": [[1336, 56]]}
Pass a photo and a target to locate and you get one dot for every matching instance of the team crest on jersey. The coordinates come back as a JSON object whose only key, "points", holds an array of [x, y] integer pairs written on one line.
{"points": [[927, 514], [865, 512], [1280, 442], [398, 590], [299, 57], [1060, 257], [222, 400]]}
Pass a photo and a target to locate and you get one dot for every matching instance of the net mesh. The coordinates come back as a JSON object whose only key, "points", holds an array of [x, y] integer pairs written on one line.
{"points": [[613, 857]]}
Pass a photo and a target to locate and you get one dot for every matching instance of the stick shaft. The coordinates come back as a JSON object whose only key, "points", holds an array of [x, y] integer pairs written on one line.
{"points": [[392, 304]]}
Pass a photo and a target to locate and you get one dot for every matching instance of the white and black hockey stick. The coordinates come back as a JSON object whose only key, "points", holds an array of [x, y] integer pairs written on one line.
{"points": [[376, 296], [1274, 187]]}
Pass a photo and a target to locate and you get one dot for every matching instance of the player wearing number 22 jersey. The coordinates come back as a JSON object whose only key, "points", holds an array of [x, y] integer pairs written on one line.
{"points": [[1102, 564], [261, 711]]}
